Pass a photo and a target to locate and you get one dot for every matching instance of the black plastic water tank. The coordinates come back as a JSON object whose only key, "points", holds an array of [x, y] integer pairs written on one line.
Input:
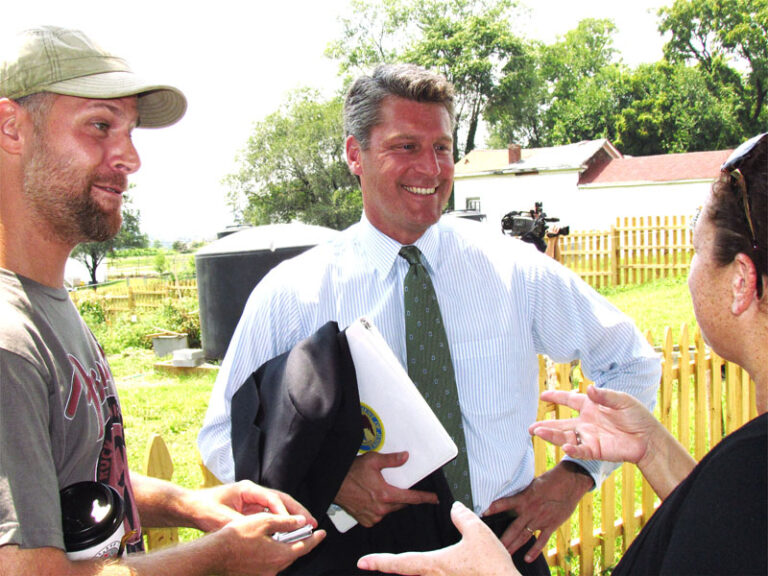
{"points": [[229, 268]]}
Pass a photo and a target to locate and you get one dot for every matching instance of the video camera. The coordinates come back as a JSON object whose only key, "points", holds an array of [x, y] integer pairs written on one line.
{"points": [[531, 226]]}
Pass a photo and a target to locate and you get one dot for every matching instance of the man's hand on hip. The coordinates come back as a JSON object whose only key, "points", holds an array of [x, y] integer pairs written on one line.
{"points": [[542, 507]]}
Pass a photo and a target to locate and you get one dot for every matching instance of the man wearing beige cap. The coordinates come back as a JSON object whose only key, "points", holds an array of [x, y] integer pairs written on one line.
{"points": [[67, 112]]}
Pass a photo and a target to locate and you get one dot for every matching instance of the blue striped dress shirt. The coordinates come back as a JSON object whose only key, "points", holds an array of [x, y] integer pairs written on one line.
{"points": [[502, 302]]}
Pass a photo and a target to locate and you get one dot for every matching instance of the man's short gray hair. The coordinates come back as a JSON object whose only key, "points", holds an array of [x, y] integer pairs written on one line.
{"points": [[38, 106], [361, 107]]}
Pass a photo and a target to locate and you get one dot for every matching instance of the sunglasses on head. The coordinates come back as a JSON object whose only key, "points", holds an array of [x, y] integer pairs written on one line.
{"points": [[732, 167]]}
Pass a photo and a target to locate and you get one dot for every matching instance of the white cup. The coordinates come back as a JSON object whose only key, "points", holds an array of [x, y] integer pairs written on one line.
{"points": [[92, 518]]}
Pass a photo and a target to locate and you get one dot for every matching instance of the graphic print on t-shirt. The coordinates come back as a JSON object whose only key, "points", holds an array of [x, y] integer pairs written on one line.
{"points": [[94, 386]]}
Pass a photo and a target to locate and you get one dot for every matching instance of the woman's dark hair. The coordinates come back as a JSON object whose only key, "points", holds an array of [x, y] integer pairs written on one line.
{"points": [[740, 228]]}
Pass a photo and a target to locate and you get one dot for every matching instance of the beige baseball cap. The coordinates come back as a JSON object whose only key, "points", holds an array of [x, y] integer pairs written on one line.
{"points": [[64, 61]]}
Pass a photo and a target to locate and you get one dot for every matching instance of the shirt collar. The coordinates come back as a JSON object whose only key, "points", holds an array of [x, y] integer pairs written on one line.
{"points": [[429, 244], [382, 251]]}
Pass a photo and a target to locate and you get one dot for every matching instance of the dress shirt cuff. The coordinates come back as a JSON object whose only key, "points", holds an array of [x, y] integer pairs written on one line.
{"points": [[595, 469]]}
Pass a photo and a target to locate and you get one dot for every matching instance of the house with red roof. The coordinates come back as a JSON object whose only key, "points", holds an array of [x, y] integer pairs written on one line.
{"points": [[587, 185]]}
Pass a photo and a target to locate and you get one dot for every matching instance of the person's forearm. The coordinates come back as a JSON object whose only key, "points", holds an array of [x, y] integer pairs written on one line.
{"points": [[197, 558], [161, 504], [581, 474], [666, 462], [200, 557]]}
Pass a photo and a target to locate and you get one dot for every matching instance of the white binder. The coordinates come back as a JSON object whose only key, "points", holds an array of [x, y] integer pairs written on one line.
{"points": [[397, 417]]}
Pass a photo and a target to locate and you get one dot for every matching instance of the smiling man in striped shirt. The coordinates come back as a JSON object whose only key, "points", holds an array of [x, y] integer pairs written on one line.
{"points": [[502, 303]]}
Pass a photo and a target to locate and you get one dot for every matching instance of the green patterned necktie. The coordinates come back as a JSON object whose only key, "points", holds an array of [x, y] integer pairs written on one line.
{"points": [[430, 366]]}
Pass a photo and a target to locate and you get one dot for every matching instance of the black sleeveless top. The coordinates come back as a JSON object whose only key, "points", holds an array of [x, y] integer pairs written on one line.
{"points": [[716, 520]]}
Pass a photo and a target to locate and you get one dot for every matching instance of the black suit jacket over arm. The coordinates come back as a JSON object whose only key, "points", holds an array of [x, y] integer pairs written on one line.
{"points": [[297, 427], [296, 423]]}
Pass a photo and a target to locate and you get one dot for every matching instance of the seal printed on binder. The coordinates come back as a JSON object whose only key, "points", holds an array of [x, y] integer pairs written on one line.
{"points": [[396, 417]]}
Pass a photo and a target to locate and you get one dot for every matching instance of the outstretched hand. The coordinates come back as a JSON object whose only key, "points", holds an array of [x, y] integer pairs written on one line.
{"points": [[215, 507], [479, 553], [616, 427], [611, 426]]}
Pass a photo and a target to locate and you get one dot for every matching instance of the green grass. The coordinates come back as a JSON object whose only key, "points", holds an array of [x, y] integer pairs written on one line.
{"points": [[655, 305], [173, 407], [151, 264], [154, 403]]}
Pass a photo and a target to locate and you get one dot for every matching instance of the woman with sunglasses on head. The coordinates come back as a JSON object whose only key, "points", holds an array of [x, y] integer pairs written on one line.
{"points": [[714, 514]]}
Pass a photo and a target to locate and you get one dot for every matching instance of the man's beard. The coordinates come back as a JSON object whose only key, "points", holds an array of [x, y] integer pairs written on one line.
{"points": [[61, 195]]}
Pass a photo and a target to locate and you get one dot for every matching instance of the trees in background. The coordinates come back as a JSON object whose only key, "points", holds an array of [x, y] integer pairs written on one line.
{"points": [[469, 41], [671, 108], [727, 39], [707, 93], [293, 167], [557, 94], [91, 254]]}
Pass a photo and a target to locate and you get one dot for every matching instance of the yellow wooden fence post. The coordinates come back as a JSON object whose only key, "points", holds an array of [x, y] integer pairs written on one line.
{"points": [[160, 465], [608, 520], [684, 388], [615, 255], [647, 496], [586, 535], [628, 504], [209, 480], [665, 406], [587, 542], [702, 397], [716, 399]]}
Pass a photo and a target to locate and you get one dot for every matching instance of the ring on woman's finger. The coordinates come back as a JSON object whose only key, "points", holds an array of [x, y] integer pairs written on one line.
{"points": [[578, 437], [532, 532]]}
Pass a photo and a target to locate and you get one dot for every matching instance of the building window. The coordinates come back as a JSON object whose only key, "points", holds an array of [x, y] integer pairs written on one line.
{"points": [[473, 204]]}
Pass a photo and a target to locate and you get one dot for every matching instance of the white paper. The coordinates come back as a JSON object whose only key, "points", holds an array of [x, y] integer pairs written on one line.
{"points": [[400, 418]]}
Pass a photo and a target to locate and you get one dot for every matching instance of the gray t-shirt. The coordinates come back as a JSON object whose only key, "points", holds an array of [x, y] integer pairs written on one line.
{"points": [[60, 419]]}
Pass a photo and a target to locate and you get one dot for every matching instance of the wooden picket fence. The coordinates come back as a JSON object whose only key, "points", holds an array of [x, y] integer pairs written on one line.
{"points": [[135, 295], [634, 251], [701, 398]]}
